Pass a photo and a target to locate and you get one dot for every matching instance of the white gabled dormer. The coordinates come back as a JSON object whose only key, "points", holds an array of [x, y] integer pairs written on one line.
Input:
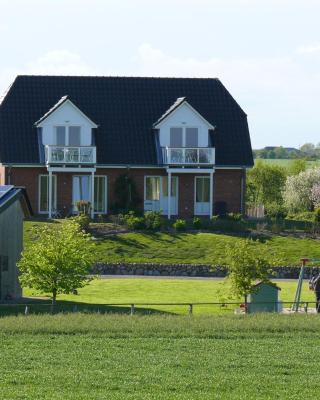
{"points": [[66, 134], [184, 135]]}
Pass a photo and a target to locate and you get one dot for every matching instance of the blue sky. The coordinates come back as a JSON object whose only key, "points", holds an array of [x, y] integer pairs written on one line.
{"points": [[266, 52]]}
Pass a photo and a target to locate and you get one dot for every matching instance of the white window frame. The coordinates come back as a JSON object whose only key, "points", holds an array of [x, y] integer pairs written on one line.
{"points": [[67, 126], [106, 193], [55, 184], [161, 192], [184, 129], [195, 194]]}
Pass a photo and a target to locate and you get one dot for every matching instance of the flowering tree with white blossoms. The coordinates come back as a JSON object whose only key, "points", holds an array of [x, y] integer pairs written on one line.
{"points": [[315, 195], [298, 192]]}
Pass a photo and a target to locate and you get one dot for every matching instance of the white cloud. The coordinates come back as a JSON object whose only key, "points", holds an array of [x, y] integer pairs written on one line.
{"points": [[242, 75], [313, 48], [60, 62], [55, 62]]}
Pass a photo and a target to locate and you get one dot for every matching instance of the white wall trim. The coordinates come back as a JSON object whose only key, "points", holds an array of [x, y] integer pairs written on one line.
{"points": [[68, 101]]}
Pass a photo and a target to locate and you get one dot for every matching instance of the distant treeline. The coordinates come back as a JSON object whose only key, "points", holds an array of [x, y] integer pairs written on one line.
{"points": [[308, 151]]}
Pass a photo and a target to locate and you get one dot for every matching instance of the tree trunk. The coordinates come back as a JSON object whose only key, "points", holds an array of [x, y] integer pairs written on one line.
{"points": [[246, 303], [54, 299]]}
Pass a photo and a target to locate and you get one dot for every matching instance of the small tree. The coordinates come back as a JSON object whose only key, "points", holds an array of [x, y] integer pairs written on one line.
{"points": [[58, 260], [265, 184], [246, 262]]}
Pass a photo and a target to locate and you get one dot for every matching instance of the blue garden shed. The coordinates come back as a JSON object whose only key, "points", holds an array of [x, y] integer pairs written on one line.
{"points": [[265, 298]]}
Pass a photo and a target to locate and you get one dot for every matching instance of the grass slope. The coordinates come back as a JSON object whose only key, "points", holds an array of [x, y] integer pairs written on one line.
{"points": [[97, 357], [187, 247]]}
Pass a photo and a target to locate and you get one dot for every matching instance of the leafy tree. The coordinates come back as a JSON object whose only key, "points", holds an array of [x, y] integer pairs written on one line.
{"points": [[298, 190], [265, 183], [58, 260], [308, 149], [247, 261]]}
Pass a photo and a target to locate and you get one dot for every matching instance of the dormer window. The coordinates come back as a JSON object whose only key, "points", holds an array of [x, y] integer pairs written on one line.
{"points": [[183, 137], [68, 136]]}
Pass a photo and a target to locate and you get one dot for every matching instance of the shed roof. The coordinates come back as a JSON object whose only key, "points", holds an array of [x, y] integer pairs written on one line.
{"points": [[9, 194], [267, 283]]}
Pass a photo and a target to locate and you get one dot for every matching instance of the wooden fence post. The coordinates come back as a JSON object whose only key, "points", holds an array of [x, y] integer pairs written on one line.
{"points": [[132, 309], [190, 309]]}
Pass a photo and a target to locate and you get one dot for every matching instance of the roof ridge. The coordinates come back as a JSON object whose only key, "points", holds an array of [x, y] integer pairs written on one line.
{"points": [[118, 77]]}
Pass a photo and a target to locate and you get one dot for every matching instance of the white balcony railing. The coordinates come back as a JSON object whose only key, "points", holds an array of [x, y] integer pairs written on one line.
{"points": [[70, 155], [188, 156]]}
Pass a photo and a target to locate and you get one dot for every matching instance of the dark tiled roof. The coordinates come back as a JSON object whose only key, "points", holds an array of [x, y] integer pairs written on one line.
{"points": [[57, 105], [175, 105], [125, 110]]}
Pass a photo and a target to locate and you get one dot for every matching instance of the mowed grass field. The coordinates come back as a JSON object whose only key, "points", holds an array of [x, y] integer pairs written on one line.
{"points": [[189, 248], [98, 357], [153, 290], [286, 163]]}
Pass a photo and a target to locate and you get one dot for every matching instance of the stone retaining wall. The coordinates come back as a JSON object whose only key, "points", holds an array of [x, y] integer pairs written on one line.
{"points": [[187, 270]]}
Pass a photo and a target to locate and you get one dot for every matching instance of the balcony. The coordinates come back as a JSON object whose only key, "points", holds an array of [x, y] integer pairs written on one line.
{"points": [[70, 155], [188, 156]]}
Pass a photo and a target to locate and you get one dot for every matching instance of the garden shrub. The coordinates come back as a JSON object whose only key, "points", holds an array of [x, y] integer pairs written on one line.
{"points": [[275, 210], [227, 225], [235, 216], [306, 216], [83, 220], [152, 220], [180, 225], [196, 223], [134, 222], [317, 215]]}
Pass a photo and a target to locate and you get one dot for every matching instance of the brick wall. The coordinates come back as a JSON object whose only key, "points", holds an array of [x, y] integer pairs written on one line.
{"points": [[227, 186]]}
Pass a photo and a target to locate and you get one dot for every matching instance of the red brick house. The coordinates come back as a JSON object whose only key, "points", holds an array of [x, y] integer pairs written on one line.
{"points": [[183, 141]]}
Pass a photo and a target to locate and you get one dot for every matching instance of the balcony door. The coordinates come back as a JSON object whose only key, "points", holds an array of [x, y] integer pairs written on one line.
{"points": [[156, 194], [202, 195], [81, 190]]}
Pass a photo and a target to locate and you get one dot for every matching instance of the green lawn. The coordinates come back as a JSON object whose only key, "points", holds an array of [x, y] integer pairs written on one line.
{"points": [[188, 247], [135, 358], [149, 290]]}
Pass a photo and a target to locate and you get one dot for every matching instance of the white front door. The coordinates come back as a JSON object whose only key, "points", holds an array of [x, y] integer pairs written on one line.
{"points": [[156, 194], [202, 195]]}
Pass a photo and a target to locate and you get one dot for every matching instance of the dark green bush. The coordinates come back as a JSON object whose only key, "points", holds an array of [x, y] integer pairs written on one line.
{"points": [[196, 223], [134, 222], [83, 220], [234, 216], [152, 220], [302, 216], [274, 210], [180, 225], [317, 214]]}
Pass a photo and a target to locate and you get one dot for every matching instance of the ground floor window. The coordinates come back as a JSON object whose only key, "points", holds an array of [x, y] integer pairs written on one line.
{"points": [[100, 194], [81, 190], [156, 194], [44, 193]]}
